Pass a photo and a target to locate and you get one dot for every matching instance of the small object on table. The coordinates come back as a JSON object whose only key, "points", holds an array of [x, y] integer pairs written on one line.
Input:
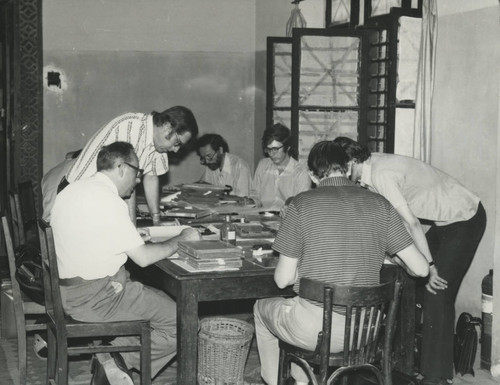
{"points": [[228, 231]]}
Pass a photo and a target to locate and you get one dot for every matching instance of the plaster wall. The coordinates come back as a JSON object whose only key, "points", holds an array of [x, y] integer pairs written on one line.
{"points": [[118, 56], [465, 140]]}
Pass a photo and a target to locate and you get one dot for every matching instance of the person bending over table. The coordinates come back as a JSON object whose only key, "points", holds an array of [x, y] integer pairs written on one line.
{"points": [[419, 191], [93, 237], [221, 167], [152, 136], [50, 182], [279, 176], [338, 233]]}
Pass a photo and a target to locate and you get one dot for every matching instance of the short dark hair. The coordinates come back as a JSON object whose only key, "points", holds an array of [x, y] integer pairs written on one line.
{"points": [[180, 118], [354, 150], [214, 140], [108, 155], [280, 133], [326, 157]]}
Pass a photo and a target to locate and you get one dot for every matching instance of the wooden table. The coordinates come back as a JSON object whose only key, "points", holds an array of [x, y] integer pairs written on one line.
{"points": [[252, 282], [189, 289]]}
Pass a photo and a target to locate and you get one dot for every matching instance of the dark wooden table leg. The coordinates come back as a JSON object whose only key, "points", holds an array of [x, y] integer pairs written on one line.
{"points": [[405, 320], [405, 339], [187, 333]]}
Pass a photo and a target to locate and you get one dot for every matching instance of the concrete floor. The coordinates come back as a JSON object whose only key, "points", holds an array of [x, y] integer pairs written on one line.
{"points": [[80, 369]]}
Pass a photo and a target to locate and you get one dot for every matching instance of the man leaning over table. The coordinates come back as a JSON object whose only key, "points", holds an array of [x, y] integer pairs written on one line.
{"points": [[92, 250], [338, 233], [152, 136]]}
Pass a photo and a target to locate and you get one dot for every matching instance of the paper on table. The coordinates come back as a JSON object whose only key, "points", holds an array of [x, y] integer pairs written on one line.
{"points": [[162, 233]]}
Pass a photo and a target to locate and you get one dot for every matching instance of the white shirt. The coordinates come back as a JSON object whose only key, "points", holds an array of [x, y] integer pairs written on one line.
{"points": [[271, 189], [429, 192], [235, 173], [92, 229], [134, 128]]}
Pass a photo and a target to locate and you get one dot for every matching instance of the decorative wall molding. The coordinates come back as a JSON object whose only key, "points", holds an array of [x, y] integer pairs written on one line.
{"points": [[28, 93]]}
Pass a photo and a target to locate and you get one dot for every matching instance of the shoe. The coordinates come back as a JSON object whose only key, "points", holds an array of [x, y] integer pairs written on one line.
{"points": [[110, 369]]}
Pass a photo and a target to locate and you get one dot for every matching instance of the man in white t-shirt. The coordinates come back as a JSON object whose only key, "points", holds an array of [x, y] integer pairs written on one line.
{"points": [[94, 236]]}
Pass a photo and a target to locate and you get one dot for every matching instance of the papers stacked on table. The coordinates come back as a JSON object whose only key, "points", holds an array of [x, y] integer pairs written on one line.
{"points": [[211, 255]]}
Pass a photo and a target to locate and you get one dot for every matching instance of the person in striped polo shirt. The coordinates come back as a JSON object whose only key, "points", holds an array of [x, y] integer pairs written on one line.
{"points": [[152, 136], [338, 233]]}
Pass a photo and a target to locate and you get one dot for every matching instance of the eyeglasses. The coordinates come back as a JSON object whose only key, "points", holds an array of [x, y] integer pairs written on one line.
{"points": [[207, 158], [273, 150], [140, 171], [178, 142]]}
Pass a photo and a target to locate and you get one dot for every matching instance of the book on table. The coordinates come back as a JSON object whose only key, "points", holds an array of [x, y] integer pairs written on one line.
{"points": [[207, 249], [210, 254]]}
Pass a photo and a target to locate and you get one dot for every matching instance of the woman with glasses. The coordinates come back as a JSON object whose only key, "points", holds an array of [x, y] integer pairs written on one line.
{"points": [[279, 175]]}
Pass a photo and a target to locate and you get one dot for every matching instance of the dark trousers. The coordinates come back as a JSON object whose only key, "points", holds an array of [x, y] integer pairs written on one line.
{"points": [[453, 248]]}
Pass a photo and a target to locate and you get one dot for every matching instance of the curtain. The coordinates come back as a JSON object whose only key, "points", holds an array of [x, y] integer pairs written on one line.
{"points": [[425, 82]]}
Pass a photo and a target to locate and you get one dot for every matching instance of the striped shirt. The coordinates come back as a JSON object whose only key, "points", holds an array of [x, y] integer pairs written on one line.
{"points": [[340, 233], [134, 128]]}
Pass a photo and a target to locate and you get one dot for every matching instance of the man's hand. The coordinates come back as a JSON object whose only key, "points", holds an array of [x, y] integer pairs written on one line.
{"points": [[190, 235], [435, 282], [144, 233]]}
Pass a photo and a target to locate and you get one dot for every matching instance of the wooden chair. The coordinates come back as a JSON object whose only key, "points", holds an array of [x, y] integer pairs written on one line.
{"points": [[28, 211], [25, 310], [19, 235], [364, 330], [61, 328]]}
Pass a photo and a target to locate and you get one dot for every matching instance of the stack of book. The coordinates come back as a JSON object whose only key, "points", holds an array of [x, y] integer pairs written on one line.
{"points": [[211, 254]]}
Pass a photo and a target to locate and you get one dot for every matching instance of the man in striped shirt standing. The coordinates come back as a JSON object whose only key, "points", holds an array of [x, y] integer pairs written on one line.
{"points": [[152, 136], [338, 233]]}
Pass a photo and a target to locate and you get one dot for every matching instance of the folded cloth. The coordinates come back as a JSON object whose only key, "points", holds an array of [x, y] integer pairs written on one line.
{"points": [[110, 369]]}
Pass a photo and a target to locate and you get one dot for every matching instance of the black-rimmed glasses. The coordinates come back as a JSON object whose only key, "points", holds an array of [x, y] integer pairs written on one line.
{"points": [[140, 171], [207, 158], [273, 150]]}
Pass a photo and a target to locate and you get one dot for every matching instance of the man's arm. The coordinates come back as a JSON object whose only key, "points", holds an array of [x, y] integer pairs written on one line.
{"points": [[149, 253], [243, 182], [417, 233], [412, 260], [151, 185], [286, 271]]}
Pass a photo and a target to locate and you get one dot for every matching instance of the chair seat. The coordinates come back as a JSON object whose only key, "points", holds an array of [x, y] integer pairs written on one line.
{"points": [[30, 306]]}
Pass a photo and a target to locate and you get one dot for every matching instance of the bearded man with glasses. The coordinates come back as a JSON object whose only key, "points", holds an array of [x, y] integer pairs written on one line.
{"points": [[221, 167]]}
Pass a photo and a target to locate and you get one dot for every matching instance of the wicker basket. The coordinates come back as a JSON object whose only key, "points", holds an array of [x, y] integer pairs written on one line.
{"points": [[223, 346]]}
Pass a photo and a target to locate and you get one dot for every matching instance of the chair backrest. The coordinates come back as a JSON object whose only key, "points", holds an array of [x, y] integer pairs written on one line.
{"points": [[367, 309], [53, 302], [28, 208], [11, 256], [19, 236]]}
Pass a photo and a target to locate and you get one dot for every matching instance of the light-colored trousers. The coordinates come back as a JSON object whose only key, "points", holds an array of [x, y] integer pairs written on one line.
{"points": [[295, 321], [117, 298]]}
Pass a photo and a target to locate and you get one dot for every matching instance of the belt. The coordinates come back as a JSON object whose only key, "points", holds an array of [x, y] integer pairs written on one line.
{"points": [[75, 281]]}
